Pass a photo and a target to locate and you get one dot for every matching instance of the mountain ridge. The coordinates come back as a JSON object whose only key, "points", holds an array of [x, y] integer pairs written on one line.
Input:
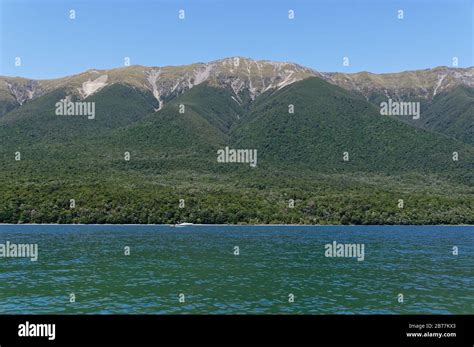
{"points": [[257, 76], [172, 156]]}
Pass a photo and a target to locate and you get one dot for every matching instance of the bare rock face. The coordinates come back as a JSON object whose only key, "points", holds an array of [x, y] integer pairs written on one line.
{"points": [[245, 78], [24, 90], [409, 84], [236, 74], [90, 87]]}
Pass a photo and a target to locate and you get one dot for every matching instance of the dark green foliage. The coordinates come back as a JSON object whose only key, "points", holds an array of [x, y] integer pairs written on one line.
{"points": [[450, 113], [329, 121], [173, 156]]}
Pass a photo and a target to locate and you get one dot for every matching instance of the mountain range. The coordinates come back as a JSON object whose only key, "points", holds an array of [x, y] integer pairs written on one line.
{"points": [[321, 139]]}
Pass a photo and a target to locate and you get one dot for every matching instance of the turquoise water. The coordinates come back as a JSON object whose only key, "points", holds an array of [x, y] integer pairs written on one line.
{"points": [[273, 262]]}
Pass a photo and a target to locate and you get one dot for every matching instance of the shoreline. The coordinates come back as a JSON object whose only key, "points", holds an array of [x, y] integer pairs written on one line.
{"points": [[255, 225]]}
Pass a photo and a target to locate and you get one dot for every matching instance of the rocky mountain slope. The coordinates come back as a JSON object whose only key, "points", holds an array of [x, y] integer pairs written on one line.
{"points": [[445, 108], [422, 84], [246, 78], [238, 104]]}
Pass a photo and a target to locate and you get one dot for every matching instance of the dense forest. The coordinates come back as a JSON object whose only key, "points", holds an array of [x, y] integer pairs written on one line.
{"points": [[74, 170]]}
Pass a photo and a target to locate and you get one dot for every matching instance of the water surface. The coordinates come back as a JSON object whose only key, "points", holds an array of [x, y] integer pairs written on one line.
{"points": [[274, 261]]}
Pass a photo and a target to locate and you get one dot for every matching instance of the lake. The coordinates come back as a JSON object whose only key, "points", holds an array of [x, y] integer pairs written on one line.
{"points": [[158, 269]]}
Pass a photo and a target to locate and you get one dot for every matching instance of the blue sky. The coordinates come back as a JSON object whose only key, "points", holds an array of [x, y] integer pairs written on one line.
{"points": [[150, 33]]}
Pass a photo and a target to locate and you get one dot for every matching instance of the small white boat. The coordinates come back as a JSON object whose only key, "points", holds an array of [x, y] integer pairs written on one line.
{"points": [[183, 224]]}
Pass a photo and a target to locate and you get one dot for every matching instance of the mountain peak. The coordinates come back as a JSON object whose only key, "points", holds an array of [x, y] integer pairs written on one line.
{"points": [[246, 78]]}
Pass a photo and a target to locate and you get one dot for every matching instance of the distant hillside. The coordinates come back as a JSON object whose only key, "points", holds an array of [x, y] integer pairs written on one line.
{"points": [[171, 122], [246, 79]]}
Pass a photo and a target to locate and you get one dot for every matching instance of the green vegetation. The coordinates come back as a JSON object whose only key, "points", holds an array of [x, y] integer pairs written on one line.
{"points": [[173, 157], [452, 114]]}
